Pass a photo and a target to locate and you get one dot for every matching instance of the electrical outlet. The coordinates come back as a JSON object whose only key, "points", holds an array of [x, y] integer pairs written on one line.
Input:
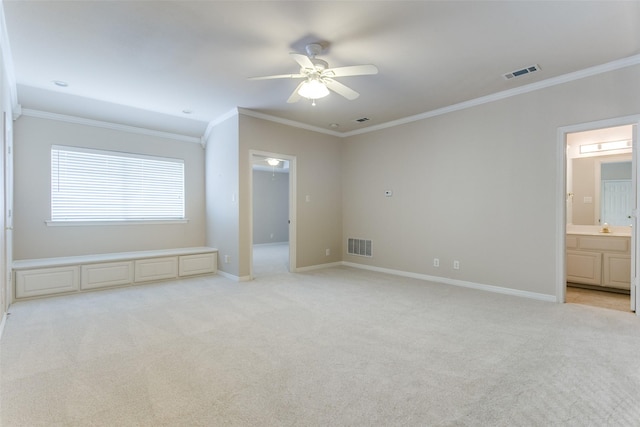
{"points": [[227, 259], [456, 265], [436, 262], [327, 252]]}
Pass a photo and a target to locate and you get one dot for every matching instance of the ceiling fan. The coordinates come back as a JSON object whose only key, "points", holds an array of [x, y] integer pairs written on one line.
{"points": [[319, 78]]}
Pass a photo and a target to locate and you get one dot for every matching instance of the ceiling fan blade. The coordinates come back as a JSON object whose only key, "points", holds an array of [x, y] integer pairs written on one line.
{"points": [[303, 60], [353, 70], [278, 76], [341, 89], [295, 96]]}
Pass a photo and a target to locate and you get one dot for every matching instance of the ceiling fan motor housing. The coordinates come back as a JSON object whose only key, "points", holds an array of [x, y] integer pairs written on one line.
{"points": [[313, 49]]}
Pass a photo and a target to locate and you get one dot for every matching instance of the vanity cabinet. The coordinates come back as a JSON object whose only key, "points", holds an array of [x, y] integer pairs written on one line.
{"points": [[599, 260]]}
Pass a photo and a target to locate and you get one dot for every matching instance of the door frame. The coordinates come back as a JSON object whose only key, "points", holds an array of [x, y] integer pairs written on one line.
{"points": [[561, 206], [292, 206]]}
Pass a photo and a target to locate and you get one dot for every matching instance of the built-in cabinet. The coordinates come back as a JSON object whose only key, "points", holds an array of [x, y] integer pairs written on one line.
{"points": [[599, 260], [40, 277]]}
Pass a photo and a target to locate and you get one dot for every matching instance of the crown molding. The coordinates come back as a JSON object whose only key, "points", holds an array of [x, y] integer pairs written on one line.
{"points": [[108, 125], [565, 78], [287, 122], [215, 122]]}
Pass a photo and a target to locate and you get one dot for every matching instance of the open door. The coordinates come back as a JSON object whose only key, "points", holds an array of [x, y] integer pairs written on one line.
{"points": [[269, 217], [635, 247]]}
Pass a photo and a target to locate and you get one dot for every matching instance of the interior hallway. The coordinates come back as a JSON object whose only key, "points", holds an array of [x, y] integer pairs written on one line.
{"points": [[270, 259]]}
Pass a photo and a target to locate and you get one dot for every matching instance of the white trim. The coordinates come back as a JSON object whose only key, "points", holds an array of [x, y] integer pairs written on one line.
{"points": [[320, 266], [2, 323], [288, 122], [215, 122], [233, 277], [587, 72], [565, 78], [455, 282], [437, 279], [114, 222], [107, 125], [292, 200], [271, 244], [561, 185]]}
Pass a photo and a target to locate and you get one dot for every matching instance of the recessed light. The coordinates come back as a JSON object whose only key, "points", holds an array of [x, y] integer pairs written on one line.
{"points": [[60, 83], [185, 111], [334, 125]]}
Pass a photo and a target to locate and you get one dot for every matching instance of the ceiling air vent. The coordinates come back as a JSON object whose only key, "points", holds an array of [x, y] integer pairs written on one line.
{"points": [[527, 70], [362, 120]]}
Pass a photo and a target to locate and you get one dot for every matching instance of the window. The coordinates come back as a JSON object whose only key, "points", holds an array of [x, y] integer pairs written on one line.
{"points": [[95, 185]]}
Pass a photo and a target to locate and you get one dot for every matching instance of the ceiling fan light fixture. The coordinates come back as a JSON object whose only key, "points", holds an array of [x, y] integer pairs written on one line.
{"points": [[313, 89], [273, 162]]}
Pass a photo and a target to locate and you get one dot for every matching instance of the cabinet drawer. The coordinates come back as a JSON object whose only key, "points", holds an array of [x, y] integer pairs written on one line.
{"points": [[572, 242], [584, 267], [101, 275], [197, 264], [605, 243], [46, 281], [156, 269]]}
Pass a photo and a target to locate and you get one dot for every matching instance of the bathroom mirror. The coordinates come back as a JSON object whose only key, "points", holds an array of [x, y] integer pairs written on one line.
{"points": [[599, 176], [601, 190]]}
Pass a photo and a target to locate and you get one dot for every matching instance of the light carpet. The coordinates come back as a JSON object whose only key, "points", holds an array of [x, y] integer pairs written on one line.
{"points": [[337, 346]]}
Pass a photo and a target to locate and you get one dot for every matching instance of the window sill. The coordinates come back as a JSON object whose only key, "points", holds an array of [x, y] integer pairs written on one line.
{"points": [[50, 223]]}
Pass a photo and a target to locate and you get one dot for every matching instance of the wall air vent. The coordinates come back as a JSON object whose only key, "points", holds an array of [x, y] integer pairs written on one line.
{"points": [[360, 247], [527, 70]]}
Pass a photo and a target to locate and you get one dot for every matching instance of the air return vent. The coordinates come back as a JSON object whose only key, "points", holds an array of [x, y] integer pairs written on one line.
{"points": [[360, 247], [362, 119], [527, 70]]}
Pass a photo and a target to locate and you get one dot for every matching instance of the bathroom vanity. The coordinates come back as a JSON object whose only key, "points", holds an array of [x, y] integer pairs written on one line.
{"points": [[599, 259]]}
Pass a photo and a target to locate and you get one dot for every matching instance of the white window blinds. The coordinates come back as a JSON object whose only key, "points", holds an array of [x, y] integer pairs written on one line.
{"points": [[95, 185]]}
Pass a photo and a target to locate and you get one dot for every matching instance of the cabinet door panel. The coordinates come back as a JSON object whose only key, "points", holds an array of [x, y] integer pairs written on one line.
{"points": [[46, 281], [156, 269], [617, 271], [106, 274], [584, 267], [197, 264]]}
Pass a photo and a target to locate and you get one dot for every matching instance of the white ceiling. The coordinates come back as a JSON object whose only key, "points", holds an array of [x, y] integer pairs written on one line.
{"points": [[142, 63]]}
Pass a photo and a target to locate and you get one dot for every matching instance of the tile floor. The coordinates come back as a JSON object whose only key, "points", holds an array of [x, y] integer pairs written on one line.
{"points": [[595, 298]]}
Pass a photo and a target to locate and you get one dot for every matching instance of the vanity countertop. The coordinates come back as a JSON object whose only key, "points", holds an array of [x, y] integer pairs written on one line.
{"points": [[599, 233], [594, 230]]}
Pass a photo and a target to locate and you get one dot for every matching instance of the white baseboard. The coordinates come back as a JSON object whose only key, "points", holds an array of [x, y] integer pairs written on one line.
{"points": [[319, 267], [233, 277], [455, 282]]}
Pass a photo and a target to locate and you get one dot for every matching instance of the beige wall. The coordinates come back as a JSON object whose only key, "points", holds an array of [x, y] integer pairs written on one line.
{"points": [[222, 208], [477, 185], [584, 178], [319, 221], [34, 239]]}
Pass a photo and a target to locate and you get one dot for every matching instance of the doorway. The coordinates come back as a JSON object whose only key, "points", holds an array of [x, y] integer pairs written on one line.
{"points": [[272, 211], [599, 244]]}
